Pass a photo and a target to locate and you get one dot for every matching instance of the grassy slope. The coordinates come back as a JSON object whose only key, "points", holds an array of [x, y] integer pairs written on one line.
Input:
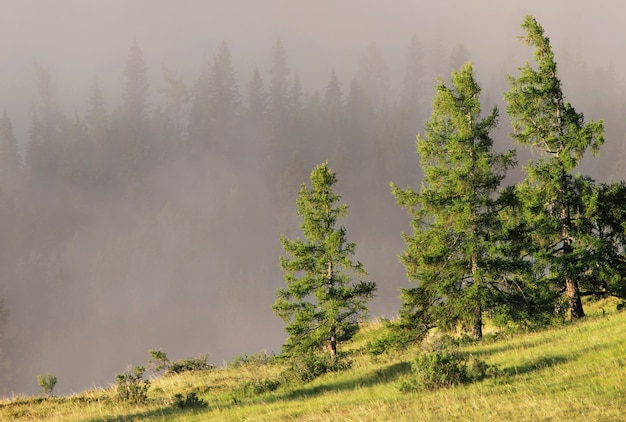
{"points": [[575, 372]]}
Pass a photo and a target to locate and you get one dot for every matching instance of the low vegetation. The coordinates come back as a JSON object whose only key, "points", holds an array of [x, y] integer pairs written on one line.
{"points": [[572, 371], [47, 383]]}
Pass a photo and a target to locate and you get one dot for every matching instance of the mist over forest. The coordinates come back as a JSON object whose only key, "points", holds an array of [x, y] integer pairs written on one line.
{"points": [[151, 153]]}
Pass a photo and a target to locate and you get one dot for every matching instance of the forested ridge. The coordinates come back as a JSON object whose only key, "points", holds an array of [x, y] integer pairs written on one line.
{"points": [[159, 217]]}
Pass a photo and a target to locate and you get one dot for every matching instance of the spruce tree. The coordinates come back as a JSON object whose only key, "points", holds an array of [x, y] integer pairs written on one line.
{"points": [[320, 303], [454, 254], [136, 90], [224, 100], [544, 121], [10, 167], [279, 87]]}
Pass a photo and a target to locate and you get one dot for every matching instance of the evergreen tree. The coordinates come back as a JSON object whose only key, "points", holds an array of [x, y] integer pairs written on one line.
{"points": [[255, 117], [295, 101], [333, 101], [320, 304], [543, 120], [454, 254], [130, 122], [224, 99], [99, 160], [605, 215], [199, 128], [256, 97], [10, 167], [41, 164], [279, 88], [135, 90]]}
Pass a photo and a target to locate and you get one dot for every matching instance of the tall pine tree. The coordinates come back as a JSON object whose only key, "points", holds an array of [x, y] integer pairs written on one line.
{"points": [[454, 254], [544, 121]]}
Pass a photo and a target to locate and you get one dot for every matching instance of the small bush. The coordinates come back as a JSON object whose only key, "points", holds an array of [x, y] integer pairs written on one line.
{"points": [[191, 400], [257, 387], [478, 369], [186, 365], [131, 386], [442, 369], [308, 367], [305, 368], [158, 361], [393, 338], [47, 383], [263, 358], [440, 342]]}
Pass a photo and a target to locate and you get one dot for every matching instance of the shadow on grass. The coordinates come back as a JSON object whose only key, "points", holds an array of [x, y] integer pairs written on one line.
{"points": [[487, 349], [379, 376], [537, 365], [161, 414]]}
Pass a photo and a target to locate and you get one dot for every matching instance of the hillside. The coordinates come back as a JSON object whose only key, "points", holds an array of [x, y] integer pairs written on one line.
{"points": [[571, 372]]}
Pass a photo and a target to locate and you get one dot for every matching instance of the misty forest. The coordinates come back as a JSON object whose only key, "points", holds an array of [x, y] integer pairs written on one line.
{"points": [[191, 211]]}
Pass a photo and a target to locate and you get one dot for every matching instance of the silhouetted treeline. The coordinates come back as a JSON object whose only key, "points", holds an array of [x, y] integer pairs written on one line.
{"points": [[155, 222]]}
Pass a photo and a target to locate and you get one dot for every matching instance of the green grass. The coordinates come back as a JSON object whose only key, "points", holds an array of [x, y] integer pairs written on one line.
{"points": [[573, 372]]}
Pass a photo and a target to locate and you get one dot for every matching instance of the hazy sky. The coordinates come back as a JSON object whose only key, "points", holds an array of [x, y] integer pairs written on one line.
{"points": [[78, 40]]}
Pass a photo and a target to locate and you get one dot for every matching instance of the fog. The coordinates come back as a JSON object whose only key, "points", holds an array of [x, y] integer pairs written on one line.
{"points": [[123, 234]]}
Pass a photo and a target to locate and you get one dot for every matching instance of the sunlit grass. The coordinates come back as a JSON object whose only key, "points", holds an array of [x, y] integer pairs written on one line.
{"points": [[571, 372]]}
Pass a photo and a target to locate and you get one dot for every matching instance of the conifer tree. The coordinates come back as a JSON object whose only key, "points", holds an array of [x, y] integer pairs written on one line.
{"points": [[224, 100], [279, 87], [130, 123], [455, 255], [135, 89], [256, 97], [295, 100], [320, 304], [333, 100], [544, 121], [10, 167]]}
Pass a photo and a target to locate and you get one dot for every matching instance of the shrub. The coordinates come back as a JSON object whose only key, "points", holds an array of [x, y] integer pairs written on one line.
{"points": [[440, 342], [257, 387], [158, 361], [191, 400], [307, 367], [392, 338], [195, 364], [262, 358], [132, 387], [47, 383], [441, 369]]}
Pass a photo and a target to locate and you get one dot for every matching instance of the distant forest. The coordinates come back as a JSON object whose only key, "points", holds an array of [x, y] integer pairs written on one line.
{"points": [[155, 224]]}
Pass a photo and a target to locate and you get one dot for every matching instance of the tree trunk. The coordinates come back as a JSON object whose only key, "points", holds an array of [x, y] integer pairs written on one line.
{"points": [[477, 330], [571, 285], [573, 297], [333, 330], [333, 344]]}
